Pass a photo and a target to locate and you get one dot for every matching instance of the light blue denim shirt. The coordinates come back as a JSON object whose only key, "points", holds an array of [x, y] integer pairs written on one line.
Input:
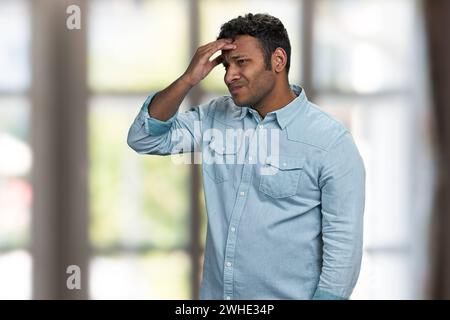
{"points": [[284, 196]]}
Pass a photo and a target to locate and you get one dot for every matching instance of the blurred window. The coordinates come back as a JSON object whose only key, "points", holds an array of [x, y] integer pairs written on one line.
{"points": [[139, 209], [137, 45], [15, 151], [363, 59]]}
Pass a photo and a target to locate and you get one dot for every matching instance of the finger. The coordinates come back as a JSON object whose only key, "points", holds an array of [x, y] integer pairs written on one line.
{"points": [[207, 55], [216, 44], [220, 41], [219, 45], [222, 46], [228, 47]]}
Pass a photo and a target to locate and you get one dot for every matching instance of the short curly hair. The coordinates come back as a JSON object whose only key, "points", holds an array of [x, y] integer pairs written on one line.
{"points": [[266, 28]]}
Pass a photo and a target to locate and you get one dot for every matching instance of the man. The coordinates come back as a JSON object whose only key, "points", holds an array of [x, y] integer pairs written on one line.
{"points": [[283, 181]]}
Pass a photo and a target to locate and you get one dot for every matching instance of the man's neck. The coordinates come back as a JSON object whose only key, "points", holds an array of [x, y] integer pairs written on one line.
{"points": [[279, 98]]}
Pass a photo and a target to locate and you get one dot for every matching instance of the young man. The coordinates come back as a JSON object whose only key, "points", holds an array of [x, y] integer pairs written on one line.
{"points": [[283, 181]]}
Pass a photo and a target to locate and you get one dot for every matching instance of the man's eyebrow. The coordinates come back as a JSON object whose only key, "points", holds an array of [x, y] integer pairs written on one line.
{"points": [[235, 57]]}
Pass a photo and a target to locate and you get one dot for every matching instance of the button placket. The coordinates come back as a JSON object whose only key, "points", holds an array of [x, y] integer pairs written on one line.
{"points": [[230, 247], [232, 234]]}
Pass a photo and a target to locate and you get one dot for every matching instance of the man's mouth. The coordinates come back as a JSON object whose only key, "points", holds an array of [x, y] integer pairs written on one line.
{"points": [[235, 89]]}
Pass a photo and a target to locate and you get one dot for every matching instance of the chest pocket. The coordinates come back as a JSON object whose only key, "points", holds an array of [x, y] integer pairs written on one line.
{"points": [[218, 161], [280, 178]]}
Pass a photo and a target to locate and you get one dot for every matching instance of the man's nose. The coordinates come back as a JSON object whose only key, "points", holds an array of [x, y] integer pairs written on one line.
{"points": [[231, 75]]}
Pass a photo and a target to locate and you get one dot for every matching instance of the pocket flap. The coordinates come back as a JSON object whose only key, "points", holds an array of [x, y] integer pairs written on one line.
{"points": [[285, 163]]}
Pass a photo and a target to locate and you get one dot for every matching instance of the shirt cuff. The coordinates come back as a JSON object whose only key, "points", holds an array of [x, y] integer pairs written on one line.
{"points": [[324, 295], [152, 126]]}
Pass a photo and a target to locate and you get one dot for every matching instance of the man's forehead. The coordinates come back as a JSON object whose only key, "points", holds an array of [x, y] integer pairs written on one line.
{"points": [[245, 46], [245, 41], [234, 54]]}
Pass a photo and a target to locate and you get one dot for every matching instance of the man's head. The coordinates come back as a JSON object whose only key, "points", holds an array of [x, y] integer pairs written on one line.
{"points": [[260, 60]]}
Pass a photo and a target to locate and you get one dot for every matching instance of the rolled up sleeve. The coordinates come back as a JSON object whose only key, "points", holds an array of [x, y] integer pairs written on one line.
{"points": [[179, 134]]}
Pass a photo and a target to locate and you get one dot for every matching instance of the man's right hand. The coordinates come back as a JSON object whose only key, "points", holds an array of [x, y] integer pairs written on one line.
{"points": [[200, 65]]}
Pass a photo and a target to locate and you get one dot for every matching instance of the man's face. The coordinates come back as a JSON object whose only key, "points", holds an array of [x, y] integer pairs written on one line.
{"points": [[246, 75]]}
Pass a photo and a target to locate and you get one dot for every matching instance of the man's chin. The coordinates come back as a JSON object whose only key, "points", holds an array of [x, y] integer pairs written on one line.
{"points": [[239, 102]]}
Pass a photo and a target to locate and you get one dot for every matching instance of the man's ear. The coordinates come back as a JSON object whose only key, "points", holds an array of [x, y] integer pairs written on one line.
{"points": [[279, 60]]}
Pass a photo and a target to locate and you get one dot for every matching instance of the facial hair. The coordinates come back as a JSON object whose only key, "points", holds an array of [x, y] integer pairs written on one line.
{"points": [[259, 88]]}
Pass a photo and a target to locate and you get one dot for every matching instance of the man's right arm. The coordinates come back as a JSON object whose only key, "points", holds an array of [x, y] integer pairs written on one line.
{"points": [[165, 103], [151, 130]]}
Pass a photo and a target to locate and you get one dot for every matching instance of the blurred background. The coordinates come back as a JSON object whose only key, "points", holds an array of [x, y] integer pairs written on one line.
{"points": [[73, 193]]}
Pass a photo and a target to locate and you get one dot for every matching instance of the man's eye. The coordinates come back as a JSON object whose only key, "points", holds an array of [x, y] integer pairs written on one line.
{"points": [[241, 61]]}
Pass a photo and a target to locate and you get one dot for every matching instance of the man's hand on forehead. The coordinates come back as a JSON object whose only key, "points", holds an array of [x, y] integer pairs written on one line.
{"points": [[201, 65]]}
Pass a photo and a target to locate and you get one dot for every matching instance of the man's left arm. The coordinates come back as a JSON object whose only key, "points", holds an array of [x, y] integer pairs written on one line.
{"points": [[342, 183]]}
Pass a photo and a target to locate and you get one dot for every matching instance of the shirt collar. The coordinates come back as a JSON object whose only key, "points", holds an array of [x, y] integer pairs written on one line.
{"points": [[287, 113]]}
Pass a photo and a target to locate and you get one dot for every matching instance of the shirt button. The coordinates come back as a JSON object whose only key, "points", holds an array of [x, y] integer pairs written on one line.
{"points": [[233, 229], [250, 158], [228, 264], [242, 193], [261, 126], [228, 298]]}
